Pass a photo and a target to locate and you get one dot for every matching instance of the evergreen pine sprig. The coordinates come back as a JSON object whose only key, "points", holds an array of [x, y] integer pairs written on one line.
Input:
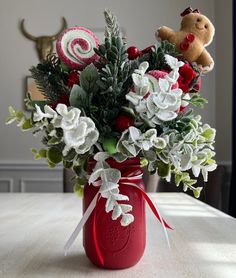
{"points": [[50, 79], [112, 28], [156, 58], [114, 76]]}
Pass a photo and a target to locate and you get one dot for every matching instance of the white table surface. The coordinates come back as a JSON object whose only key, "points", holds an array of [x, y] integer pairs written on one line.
{"points": [[35, 227]]}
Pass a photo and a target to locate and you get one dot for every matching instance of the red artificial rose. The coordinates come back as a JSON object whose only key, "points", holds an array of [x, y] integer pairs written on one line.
{"points": [[64, 99], [186, 75], [73, 78], [183, 85], [187, 72]]}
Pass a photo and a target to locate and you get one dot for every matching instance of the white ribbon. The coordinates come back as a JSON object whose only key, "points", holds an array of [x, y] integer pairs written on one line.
{"points": [[80, 225], [90, 209]]}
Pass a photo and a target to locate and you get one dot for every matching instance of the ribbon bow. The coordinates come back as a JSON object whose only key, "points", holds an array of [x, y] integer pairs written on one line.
{"points": [[130, 178], [189, 10]]}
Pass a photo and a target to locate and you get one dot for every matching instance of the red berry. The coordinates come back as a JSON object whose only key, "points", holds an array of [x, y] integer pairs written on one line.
{"points": [[146, 50], [64, 99], [73, 78], [123, 122], [133, 52]]}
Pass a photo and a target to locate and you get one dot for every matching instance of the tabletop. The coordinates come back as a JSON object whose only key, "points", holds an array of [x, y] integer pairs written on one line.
{"points": [[35, 227]]}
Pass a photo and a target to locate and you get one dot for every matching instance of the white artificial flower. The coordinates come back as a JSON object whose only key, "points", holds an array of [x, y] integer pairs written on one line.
{"points": [[162, 104], [173, 62], [204, 169], [133, 141], [173, 76], [134, 98], [70, 117], [141, 82], [39, 115], [142, 68], [109, 189], [79, 133]]}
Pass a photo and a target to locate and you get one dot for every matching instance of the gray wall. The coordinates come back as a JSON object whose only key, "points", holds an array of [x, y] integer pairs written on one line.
{"points": [[224, 63], [140, 19]]}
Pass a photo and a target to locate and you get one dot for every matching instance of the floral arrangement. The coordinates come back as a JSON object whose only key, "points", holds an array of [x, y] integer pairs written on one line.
{"points": [[103, 101]]}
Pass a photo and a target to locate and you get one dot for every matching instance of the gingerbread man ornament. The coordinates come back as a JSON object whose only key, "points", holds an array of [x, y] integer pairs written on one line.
{"points": [[195, 34]]}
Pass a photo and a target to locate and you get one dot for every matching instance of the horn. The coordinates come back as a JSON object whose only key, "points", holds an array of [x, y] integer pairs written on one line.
{"points": [[64, 26], [25, 33]]}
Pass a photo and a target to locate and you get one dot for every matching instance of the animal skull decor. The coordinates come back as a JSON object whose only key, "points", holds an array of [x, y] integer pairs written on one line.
{"points": [[44, 44]]}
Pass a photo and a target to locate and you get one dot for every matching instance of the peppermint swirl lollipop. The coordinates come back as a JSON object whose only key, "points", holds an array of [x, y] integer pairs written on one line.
{"points": [[75, 47]]}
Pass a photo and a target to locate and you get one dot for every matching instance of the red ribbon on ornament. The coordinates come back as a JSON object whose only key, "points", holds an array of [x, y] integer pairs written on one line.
{"points": [[130, 177]]}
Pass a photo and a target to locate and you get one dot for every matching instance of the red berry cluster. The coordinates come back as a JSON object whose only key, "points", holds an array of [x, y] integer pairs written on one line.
{"points": [[134, 52], [123, 122], [73, 78], [64, 99]]}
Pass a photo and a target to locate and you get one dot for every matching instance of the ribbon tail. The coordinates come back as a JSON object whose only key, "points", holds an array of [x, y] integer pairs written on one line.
{"points": [[99, 253], [155, 210], [156, 213], [80, 225], [164, 225]]}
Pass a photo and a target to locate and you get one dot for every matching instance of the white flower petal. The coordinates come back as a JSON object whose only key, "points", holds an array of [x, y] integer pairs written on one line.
{"points": [[144, 66], [173, 62], [61, 109], [163, 84], [196, 171], [134, 133], [110, 203], [166, 115], [126, 219], [117, 211]]}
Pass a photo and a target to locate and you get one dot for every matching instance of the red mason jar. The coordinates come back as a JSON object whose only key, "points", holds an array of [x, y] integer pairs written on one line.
{"points": [[121, 247]]}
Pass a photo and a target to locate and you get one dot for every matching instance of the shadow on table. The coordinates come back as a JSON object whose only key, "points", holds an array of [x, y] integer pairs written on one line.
{"points": [[71, 264], [77, 262]]}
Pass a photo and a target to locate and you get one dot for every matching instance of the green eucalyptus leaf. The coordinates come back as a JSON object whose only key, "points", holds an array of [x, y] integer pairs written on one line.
{"points": [[77, 96], [209, 133], [43, 153], [33, 150], [11, 111], [88, 78], [51, 165], [54, 155], [163, 169], [197, 192], [67, 164], [27, 124], [10, 120], [54, 141], [79, 190]]}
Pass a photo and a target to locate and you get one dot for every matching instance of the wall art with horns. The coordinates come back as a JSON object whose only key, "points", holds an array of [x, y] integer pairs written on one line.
{"points": [[44, 46]]}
